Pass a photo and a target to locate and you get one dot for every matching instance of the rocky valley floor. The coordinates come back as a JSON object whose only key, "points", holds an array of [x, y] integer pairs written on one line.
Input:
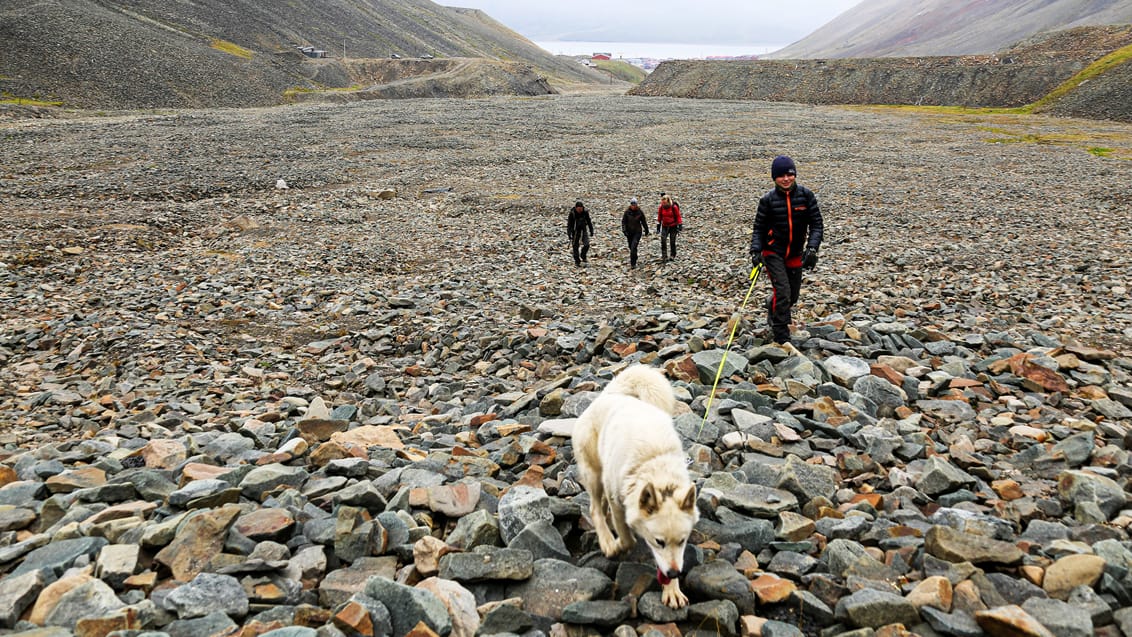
{"points": [[342, 407]]}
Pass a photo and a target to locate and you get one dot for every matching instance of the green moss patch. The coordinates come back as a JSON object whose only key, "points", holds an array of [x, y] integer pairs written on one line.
{"points": [[231, 49]]}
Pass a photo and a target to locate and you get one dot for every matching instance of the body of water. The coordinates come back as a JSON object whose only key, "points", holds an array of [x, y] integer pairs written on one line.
{"points": [[657, 50]]}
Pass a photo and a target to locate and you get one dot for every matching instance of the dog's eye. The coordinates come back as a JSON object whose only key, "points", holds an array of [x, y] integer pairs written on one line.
{"points": [[660, 542]]}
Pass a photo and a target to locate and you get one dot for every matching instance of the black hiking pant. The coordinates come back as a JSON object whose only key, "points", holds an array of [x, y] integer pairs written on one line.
{"points": [[787, 284], [667, 238], [581, 239], [634, 239]]}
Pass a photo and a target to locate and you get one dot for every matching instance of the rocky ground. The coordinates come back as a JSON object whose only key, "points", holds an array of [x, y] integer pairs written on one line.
{"points": [[342, 407]]}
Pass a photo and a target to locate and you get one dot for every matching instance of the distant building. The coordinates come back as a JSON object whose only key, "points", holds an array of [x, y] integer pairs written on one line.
{"points": [[601, 56], [311, 52]]}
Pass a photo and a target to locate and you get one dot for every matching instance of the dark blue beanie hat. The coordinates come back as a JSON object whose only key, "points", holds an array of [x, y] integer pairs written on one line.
{"points": [[782, 165]]}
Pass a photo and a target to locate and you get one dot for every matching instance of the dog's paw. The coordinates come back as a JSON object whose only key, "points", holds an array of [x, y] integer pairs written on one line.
{"points": [[672, 596], [609, 545], [624, 544]]}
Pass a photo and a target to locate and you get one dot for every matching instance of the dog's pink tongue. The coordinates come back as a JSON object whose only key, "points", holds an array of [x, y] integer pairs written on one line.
{"points": [[662, 578]]}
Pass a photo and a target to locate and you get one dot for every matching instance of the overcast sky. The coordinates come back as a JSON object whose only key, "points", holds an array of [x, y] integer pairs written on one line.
{"points": [[680, 21]]}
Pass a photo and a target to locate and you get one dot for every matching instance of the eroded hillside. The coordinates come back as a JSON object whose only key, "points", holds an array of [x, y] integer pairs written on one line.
{"points": [[154, 54], [1015, 77]]}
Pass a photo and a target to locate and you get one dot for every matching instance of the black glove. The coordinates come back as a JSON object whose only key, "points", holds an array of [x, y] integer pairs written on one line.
{"points": [[810, 259], [680, 228], [756, 260]]}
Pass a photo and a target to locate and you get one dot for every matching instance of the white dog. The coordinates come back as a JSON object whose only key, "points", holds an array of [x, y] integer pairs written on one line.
{"points": [[631, 462]]}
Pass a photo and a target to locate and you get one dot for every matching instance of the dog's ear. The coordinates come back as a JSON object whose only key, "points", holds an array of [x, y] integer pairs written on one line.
{"points": [[688, 504], [649, 502]]}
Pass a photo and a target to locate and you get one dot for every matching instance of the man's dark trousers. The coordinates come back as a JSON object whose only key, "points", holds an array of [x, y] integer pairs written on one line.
{"points": [[787, 283]]}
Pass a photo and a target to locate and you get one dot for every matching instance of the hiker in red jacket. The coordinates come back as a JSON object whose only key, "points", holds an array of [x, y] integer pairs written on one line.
{"points": [[670, 222], [787, 233]]}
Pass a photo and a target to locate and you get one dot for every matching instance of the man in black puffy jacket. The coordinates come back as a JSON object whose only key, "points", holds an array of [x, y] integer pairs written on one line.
{"points": [[785, 239], [633, 224], [579, 227]]}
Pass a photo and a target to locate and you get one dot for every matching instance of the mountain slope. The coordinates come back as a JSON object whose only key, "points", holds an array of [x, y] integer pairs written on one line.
{"points": [[165, 53], [886, 28]]}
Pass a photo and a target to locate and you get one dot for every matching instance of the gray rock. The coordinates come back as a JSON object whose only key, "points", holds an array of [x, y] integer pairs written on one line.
{"points": [[846, 557], [751, 534], [720, 581], [1111, 409], [940, 476], [952, 411], [886, 396], [707, 363], [846, 370], [722, 615], [478, 528], [262, 480], [543, 540], [870, 608], [208, 593], [1077, 486], [959, 624], [17, 592], [520, 506], [291, 631], [89, 599], [774, 628], [506, 619], [600, 613], [806, 481], [59, 556], [652, 607], [410, 606], [1061, 618], [487, 563], [555, 584], [758, 500], [198, 490]]}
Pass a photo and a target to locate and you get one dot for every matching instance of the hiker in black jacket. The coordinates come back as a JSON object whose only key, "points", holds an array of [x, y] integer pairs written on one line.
{"points": [[579, 227], [633, 224], [785, 239]]}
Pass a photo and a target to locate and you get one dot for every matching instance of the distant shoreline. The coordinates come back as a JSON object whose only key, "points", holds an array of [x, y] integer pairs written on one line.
{"points": [[657, 50]]}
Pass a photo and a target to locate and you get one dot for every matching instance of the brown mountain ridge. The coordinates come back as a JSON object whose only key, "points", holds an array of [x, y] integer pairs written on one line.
{"points": [[113, 54], [906, 28]]}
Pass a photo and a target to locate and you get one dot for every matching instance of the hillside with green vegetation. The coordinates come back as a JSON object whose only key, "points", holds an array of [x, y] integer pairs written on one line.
{"points": [[621, 70], [113, 54], [1081, 72]]}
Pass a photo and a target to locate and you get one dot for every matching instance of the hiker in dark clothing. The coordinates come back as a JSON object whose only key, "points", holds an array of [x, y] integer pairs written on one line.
{"points": [[786, 236], [670, 222], [579, 227], [633, 224]]}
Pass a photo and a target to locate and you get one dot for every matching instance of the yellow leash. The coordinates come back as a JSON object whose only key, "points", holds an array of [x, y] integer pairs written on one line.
{"points": [[755, 273]]}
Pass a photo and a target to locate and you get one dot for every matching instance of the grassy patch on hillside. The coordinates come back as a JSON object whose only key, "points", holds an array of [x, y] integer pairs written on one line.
{"points": [[1114, 59], [231, 48], [622, 70], [19, 101]]}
